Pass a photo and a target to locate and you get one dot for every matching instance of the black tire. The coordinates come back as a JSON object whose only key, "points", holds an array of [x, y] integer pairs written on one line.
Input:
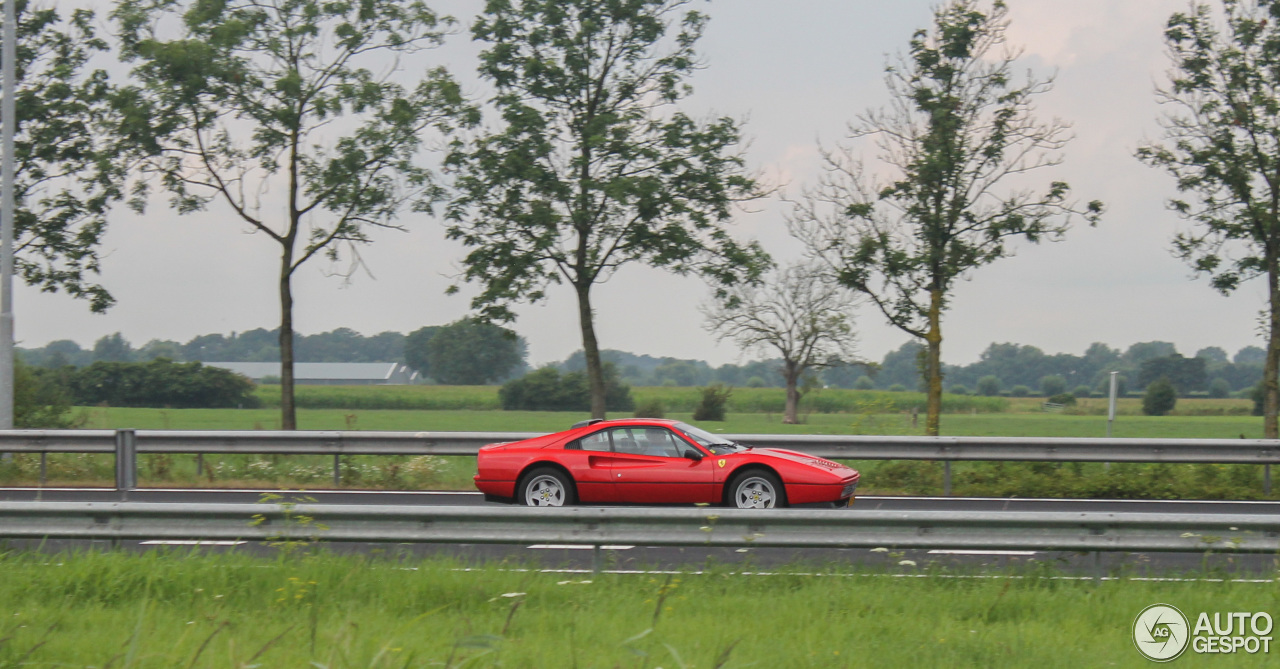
{"points": [[756, 489], [546, 486]]}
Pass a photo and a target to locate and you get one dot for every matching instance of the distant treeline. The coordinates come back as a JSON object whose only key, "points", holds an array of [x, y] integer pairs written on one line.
{"points": [[1003, 369], [260, 345]]}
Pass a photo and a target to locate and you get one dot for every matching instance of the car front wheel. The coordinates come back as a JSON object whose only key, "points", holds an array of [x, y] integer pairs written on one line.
{"points": [[757, 490], [546, 487]]}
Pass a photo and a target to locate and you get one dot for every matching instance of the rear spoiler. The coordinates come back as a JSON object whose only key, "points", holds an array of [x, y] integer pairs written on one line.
{"points": [[584, 423]]}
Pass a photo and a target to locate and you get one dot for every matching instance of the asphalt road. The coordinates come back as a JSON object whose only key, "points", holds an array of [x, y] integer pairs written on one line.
{"points": [[572, 559]]}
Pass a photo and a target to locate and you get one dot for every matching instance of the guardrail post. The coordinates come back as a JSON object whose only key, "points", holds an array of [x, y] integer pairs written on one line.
{"points": [[1266, 479], [126, 462], [597, 560], [946, 478], [44, 469], [337, 470]]}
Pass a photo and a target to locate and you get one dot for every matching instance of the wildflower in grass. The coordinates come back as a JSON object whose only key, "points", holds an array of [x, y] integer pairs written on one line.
{"points": [[907, 563]]}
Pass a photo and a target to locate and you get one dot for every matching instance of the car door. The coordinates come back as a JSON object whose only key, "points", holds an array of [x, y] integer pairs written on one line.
{"points": [[649, 467], [589, 460]]}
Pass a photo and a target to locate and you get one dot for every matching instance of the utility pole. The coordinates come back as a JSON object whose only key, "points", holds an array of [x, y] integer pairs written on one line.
{"points": [[8, 127]]}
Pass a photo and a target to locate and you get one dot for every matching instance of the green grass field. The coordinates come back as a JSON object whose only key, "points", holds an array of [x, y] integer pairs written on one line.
{"points": [[162, 611]]}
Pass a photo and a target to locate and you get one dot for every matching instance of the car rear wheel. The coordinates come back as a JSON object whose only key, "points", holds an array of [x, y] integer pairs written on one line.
{"points": [[546, 487], [757, 489]]}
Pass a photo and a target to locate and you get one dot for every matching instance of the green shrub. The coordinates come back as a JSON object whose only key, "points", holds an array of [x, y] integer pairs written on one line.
{"points": [[1082, 391], [1219, 388], [160, 383], [864, 383], [756, 382], [958, 390], [652, 408], [712, 406], [989, 386], [1052, 384], [897, 388], [1020, 391], [39, 400], [547, 389], [1160, 397]]}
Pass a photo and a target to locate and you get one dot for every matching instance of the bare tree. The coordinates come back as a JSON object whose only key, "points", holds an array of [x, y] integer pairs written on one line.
{"points": [[801, 314]]}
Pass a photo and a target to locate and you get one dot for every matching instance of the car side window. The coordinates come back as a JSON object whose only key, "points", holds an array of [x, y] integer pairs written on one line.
{"points": [[593, 442], [624, 441], [646, 441], [661, 442]]}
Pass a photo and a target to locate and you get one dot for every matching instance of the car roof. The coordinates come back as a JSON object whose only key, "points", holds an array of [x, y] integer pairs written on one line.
{"points": [[619, 422]]}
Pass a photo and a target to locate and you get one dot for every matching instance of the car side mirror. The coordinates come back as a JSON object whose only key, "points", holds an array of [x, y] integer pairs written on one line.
{"points": [[692, 454]]}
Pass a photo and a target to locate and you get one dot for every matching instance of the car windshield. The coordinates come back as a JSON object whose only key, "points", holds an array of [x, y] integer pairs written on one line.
{"points": [[716, 444]]}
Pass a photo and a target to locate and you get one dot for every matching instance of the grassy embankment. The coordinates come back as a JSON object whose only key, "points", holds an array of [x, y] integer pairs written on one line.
{"points": [[869, 413], [160, 610]]}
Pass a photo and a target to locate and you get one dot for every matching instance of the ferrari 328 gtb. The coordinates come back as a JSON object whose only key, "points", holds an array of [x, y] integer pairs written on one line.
{"points": [[653, 461]]}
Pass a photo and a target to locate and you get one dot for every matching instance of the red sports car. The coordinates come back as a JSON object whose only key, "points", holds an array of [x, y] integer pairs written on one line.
{"points": [[652, 461]]}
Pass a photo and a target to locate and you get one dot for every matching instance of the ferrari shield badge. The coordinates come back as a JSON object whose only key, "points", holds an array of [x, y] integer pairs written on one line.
{"points": [[721, 462]]}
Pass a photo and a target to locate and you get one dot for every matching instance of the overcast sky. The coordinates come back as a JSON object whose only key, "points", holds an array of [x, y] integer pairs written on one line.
{"points": [[797, 72]]}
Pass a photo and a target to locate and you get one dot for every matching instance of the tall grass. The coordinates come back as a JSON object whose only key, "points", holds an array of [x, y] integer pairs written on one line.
{"points": [[422, 398], [743, 400], [828, 400], [162, 611]]}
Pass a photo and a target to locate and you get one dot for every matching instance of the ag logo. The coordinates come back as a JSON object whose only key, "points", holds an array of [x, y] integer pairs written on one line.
{"points": [[721, 462], [1161, 632]]}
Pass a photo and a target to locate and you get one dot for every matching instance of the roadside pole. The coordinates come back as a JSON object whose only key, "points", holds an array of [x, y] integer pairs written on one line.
{"points": [[8, 127], [1111, 406]]}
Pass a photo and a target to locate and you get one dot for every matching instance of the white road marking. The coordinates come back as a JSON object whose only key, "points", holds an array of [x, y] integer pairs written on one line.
{"points": [[699, 572], [963, 551], [1088, 500], [190, 542], [580, 547]]}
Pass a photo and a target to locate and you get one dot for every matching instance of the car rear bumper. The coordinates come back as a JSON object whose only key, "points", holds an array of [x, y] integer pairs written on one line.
{"points": [[506, 489]]}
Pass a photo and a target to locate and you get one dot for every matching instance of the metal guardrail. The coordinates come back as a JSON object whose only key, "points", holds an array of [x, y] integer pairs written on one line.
{"points": [[1133, 532], [127, 443]]}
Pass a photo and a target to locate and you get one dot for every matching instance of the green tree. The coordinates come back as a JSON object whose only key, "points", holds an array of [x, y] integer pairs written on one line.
{"points": [[295, 98], [1186, 374], [594, 167], [113, 348], [1222, 146], [416, 354], [1160, 398], [801, 315], [1250, 355], [960, 123], [472, 353], [1214, 355], [69, 165]]}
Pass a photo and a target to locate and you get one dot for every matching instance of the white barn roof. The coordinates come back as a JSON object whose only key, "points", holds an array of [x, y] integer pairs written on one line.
{"points": [[331, 372]]}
